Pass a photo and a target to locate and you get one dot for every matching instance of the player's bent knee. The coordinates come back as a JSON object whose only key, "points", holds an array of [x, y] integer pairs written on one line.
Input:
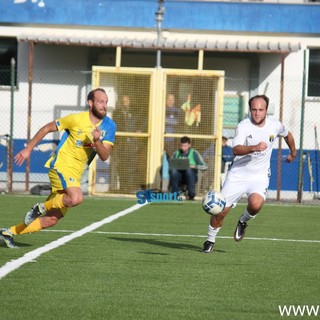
{"points": [[217, 220], [49, 221], [255, 204], [255, 207], [76, 200]]}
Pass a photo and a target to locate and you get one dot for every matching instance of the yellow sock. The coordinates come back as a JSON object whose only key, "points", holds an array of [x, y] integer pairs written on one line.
{"points": [[34, 226], [17, 228], [21, 228], [54, 202]]}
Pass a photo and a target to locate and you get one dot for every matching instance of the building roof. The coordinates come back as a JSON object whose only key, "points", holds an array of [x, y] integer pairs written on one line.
{"points": [[168, 40]]}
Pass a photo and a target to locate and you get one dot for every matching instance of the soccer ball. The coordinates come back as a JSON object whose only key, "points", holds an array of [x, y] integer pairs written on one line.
{"points": [[213, 202]]}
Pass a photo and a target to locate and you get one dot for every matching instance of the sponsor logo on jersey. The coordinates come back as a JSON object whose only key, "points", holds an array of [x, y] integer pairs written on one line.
{"points": [[258, 154], [88, 145]]}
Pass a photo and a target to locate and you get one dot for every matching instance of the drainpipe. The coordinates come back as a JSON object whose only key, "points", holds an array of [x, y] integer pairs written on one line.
{"points": [[30, 80], [301, 158], [159, 18], [10, 151]]}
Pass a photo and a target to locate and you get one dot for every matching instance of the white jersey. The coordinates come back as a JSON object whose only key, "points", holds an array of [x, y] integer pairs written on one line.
{"points": [[248, 134]]}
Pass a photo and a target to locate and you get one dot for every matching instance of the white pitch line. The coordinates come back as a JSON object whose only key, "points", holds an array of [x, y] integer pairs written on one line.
{"points": [[30, 256], [190, 236], [276, 239]]}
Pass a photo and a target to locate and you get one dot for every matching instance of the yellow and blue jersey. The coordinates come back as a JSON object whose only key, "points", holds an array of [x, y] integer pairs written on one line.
{"points": [[76, 148]]}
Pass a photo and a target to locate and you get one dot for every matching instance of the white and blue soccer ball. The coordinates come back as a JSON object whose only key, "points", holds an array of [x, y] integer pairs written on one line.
{"points": [[213, 202]]}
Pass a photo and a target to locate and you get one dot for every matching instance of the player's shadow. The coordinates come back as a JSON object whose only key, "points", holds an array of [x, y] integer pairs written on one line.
{"points": [[18, 244], [172, 245]]}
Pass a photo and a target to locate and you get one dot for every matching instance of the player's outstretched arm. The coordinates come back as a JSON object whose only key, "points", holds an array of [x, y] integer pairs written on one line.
{"points": [[291, 144], [25, 153]]}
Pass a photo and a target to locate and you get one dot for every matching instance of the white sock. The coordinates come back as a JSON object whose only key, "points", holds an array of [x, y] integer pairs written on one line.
{"points": [[246, 217], [212, 233]]}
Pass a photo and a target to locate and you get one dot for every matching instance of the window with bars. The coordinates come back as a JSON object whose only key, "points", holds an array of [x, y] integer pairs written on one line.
{"points": [[8, 50], [314, 73]]}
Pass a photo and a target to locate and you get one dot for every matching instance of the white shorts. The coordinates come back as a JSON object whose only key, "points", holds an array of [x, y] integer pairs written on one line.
{"points": [[235, 187]]}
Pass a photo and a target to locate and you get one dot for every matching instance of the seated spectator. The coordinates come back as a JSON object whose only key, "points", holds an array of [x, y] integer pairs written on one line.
{"points": [[187, 176]]}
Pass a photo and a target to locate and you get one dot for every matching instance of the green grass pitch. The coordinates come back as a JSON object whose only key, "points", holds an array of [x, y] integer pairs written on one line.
{"points": [[148, 264]]}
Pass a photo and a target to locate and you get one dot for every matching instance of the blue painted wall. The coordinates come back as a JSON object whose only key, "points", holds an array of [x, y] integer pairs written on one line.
{"points": [[189, 15], [37, 160], [290, 171]]}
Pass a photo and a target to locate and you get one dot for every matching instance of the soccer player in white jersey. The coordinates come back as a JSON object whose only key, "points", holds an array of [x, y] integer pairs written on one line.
{"points": [[250, 169]]}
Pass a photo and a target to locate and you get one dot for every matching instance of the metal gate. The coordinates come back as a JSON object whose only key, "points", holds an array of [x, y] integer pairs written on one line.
{"points": [[140, 102]]}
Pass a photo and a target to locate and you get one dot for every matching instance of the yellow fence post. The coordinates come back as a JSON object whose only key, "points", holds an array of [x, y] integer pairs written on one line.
{"points": [[156, 129]]}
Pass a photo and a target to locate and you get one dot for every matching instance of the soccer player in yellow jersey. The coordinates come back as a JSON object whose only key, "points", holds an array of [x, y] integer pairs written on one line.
{"points": [[86, 134]]}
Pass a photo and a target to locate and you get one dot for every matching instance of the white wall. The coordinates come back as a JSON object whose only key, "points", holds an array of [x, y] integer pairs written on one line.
{"points": [[58, 80], [270, 77]]}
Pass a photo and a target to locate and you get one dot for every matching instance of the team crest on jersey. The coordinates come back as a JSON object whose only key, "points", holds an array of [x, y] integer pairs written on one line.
{"points": [[103, 133], [271, 138], [78, 143], [79, 132]]}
